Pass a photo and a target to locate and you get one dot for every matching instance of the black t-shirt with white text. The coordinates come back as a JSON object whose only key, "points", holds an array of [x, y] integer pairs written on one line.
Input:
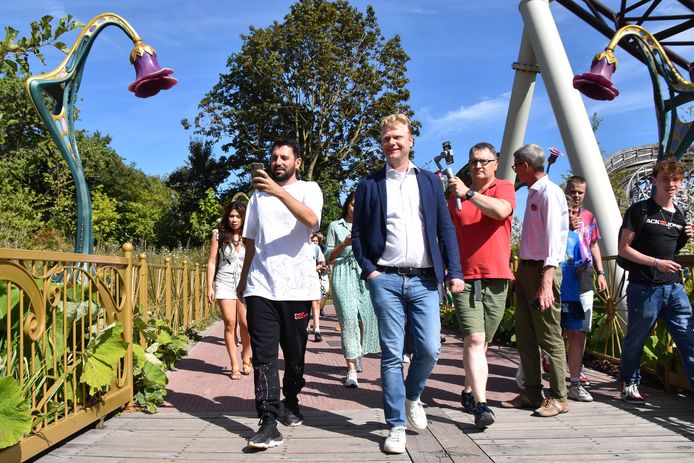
{"points": [[660, 234]]}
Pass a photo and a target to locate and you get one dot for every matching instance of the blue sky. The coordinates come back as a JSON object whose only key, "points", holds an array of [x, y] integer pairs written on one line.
{"points": [[460, 71]]}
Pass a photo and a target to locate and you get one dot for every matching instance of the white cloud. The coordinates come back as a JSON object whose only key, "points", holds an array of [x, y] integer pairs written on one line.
{"points": [[475, 115]]}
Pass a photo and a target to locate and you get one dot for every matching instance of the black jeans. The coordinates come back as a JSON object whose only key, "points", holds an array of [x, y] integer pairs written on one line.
{"points": [[272, 324]]}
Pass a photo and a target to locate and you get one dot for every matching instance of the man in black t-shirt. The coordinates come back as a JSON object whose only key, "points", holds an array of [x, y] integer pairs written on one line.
{"points": [[652, 232]]}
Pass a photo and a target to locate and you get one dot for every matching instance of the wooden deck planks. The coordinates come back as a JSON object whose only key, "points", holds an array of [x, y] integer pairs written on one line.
{"points": [[209, 419]]}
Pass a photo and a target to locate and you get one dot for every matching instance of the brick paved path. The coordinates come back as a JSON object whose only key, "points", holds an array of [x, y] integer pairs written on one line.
{"points": [[201, 383]]}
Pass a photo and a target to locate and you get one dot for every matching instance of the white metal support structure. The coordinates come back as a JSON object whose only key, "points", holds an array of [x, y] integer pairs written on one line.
{"points": [[541, 45], [519, 105]]}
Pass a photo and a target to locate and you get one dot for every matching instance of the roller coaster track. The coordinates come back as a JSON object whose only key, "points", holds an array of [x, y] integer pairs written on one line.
{"points": [[637, 163]]}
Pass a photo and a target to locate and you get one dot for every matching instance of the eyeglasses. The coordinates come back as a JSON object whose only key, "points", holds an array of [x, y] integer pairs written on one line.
{"points": [[516, 165], [481, 162]]}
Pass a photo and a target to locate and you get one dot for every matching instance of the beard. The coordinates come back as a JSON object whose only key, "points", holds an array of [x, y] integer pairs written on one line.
{"points": [[281, 178]]}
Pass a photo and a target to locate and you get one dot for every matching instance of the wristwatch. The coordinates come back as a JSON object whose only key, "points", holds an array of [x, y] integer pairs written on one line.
{"points": [[470, 193], [600, 272]]}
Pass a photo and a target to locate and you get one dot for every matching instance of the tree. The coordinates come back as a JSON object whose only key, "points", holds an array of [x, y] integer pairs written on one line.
{"points": [[105, 217], [15, 52], [190, 183], [324, 76], [205, 218]]}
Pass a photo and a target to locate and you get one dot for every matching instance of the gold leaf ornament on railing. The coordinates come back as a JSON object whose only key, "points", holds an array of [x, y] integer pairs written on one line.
{"points": [[35, 321]]}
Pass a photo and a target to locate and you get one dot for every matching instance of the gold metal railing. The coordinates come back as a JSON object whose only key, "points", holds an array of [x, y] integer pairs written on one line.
{"points": [[174, 292], [53, 304]]}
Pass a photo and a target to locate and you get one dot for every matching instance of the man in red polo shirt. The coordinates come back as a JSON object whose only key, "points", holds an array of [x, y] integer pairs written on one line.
{"points": [[483, 229]]}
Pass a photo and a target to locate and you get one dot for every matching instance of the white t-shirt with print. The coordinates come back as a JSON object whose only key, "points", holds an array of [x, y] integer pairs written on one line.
{"points": [[283, 267]]}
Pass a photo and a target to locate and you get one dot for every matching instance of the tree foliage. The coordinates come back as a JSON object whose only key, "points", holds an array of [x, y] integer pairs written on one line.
{"points": [[324, 76], [15, 51], [205, 218], [190, 183]]}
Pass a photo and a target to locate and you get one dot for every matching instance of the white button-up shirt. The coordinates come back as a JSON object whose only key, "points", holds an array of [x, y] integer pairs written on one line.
{"points": [[545, 224], [405, 240]]}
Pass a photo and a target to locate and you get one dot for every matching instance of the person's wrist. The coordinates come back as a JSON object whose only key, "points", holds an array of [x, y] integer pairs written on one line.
{"points": [[600, 273]]}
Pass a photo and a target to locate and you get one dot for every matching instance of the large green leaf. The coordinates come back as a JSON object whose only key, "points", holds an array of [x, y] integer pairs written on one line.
{"points": [[13, 303], [163, 338], [139, 358], [100, 358], [73, 311], [154, 375], [15, 414]]}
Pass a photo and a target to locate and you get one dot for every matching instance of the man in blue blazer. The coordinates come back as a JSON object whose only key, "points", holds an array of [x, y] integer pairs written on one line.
{"points": [[404, 241]]}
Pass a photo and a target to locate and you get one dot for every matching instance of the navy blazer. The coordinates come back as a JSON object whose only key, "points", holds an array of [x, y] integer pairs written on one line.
{"points": [[369, 224]]}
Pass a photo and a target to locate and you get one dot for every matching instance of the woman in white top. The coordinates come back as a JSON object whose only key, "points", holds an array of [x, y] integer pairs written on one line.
{"points": [[227, 252]]}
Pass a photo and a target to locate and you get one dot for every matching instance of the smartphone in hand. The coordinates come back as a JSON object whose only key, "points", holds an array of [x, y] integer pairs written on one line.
{"points": [[255, 167]]}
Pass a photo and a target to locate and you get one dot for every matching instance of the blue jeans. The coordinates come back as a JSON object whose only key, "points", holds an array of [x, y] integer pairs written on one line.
{"points": [[395, 298], [645, 304]]}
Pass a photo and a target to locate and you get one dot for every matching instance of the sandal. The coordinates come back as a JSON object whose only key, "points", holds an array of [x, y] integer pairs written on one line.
{"points": [[247, 369], [235, 375]]}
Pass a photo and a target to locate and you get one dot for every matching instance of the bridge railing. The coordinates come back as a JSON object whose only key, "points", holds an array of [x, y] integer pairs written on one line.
{"points": [[56, 312]]}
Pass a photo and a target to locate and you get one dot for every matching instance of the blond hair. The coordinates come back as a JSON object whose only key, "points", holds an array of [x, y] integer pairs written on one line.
{"points": [[398, 118]]}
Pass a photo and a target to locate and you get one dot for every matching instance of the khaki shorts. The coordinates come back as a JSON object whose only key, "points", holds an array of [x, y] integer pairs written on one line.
{"points": [[481, 316]]}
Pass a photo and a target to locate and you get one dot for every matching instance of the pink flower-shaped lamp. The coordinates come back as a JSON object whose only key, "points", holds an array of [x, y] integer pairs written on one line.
{"points": [[150, 77], [596, 83], [554, 154]]}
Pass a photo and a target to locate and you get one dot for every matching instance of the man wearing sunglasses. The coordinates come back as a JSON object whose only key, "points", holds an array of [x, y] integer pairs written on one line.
{"points": [[483, 229]]}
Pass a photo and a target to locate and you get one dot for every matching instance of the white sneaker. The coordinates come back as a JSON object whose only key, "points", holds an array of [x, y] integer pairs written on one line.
{"points": [[352, 380], [415, 414], [578, 393], [396, 440]]}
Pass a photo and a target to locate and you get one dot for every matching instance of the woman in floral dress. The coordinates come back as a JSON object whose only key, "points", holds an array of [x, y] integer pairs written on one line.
{"points": [[350, 296]]}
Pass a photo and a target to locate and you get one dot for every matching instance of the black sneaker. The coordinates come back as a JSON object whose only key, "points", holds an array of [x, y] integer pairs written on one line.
{"points": [[293, 416], [484, 416], [317, 337], [467, 400], [267, 436]]}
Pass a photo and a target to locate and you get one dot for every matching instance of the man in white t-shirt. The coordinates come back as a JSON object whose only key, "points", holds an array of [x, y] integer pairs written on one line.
{"points": [[278, 282]]}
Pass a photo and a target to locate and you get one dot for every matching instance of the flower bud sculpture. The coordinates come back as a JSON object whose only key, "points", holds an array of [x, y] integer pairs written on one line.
{"points": [[150, 78], [597, 83]]}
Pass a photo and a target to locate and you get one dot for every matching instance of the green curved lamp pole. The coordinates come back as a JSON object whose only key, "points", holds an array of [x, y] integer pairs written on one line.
{"points": [[675, 135], [54, 95]]}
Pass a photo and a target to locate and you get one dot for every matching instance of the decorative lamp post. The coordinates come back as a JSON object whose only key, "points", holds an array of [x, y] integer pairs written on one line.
{"points": [[675, 136], [54, 95]]}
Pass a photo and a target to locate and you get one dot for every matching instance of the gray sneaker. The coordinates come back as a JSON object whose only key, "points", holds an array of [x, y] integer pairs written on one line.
{"points": [[578, 393]]}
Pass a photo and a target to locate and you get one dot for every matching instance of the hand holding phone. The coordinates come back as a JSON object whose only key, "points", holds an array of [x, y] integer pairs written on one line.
{"points": [[255, 167]]}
